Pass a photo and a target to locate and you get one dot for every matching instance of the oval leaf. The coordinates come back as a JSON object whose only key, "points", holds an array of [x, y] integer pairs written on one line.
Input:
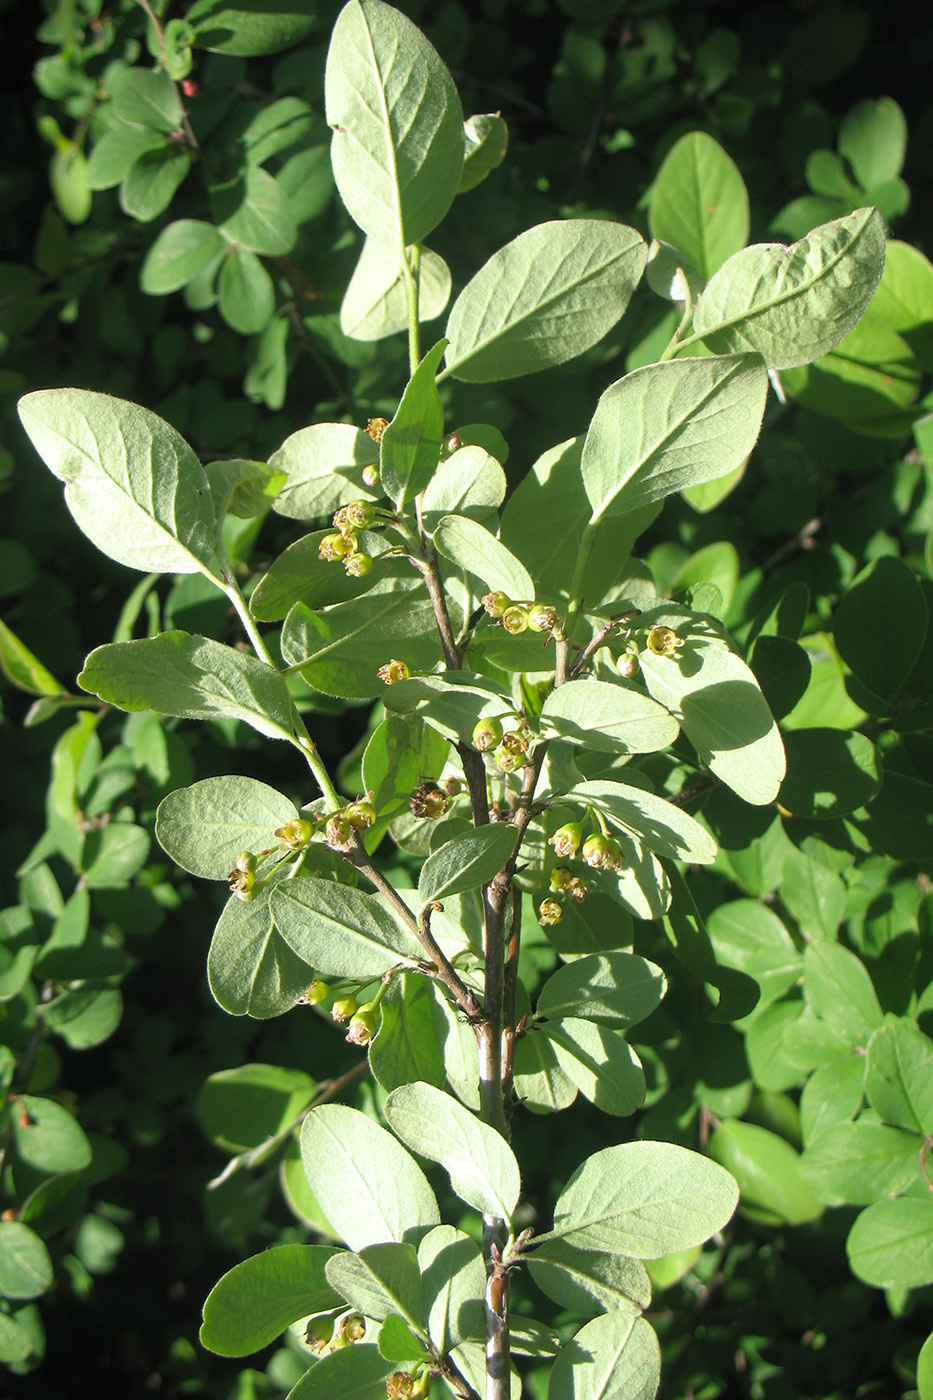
{"points": [[204, 827], [258, 1298], [466, 863]]}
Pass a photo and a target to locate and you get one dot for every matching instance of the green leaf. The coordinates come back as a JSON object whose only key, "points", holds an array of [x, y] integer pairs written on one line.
{"points": [[793, 304], [382, 1280], [467, 862], [925, 1369], [644, 1199], [405, 1047], [253, 212], [767, 1170], [375, 304], [204, 827], [662, 827], [738, 992], [889, 1244], [699, 203], [132, 484], [300, 575], [145, 97], [152, 181], [338, 930], [553, 491], [340, 649], [355, 1373], [397, 1342], [369, 1187], [609, 718], [182, 250], [324, 465], [868, 380], [252, 968], [613, 1357], [813, 894], [857, 1163], [411, 444], [904, 299], [25, 1266], [840, 991], [251, 27], [243, 1107], [599, 1062], [881, 623], [668, 426], [397, 147], [541, 1083], [589, 1281], [722, 712], [452, 702], [470, 546], [483, 1170], [899, 1082], [899, 820], [247, 296], [750, 937], [113, 854], [830, 772], [47, 1137], [487, 140], [454, 1283], [873, 139], [544, 298], [618, 989], [258, 1298], [191, 677], [832, 1095], [23, 669], [16, 1340], [467, 483], [117, 152]]}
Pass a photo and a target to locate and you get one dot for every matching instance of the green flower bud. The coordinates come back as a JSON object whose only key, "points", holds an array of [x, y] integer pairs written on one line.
{"points": [[515, 619], [550, 911], [343, 1008], [393, 671], [562, 877], [595, 850], [487, 733], [453, 787], [370, 476], [245, 861], [542, 618], [566, 840], [496, 603], [628, 665]]}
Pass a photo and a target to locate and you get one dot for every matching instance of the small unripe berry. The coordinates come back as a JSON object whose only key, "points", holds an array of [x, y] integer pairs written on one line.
{"points": [[393, 671], [615, 856], [376, 427], [400, 1385], [595, 850], [628, 665], [319, 1332], [561, 878], [496, 603], [362, 1026], [343, 1008], [361, 815], [295, 834], [243, 884], [542, 618], [515, 619], [566, 840], [359, 514], [370, 476], [515, 742], [358, 565], [453, 787], [429, 801], [353, 1327], [550, 911], [339, 546], [245, 861], [487, 733], [507, 760], [337, 831], [663, 641], [316, 993]]}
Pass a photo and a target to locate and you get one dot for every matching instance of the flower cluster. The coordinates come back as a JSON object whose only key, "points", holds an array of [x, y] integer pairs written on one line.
{"points": [[344, 545], [428, 800], [597, 851], [520, 617], [506, 747], [340, 826]]}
